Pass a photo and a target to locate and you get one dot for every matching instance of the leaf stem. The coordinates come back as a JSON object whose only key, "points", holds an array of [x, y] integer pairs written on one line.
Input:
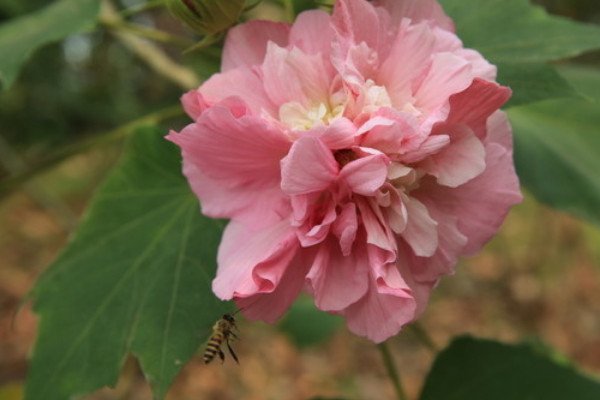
{"points": [[392, 370], [424, 337], [142, 7], [14, 181]]}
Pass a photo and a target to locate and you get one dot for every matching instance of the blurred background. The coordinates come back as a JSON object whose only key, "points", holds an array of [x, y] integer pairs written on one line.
{"points": [[537, 280]]}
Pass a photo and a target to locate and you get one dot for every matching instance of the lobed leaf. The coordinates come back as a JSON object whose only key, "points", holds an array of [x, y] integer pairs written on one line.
{"points": [[19, 38], [517, 31], [475, 369], [134, 278], [520, 38], [557, 148], [307, 325], [532, 82]]}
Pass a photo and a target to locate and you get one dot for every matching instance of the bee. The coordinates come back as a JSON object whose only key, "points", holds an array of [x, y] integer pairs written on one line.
{"points": [[223, 331]]}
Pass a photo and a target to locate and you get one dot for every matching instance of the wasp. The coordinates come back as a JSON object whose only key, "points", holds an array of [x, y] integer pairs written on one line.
{"points": [[223, 331]]}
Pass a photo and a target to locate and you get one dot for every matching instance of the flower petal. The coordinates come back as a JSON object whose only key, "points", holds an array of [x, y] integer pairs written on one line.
{"points": [[366, 175], [312, 32], [421, 230], [462, 160], [417, 10], [246, 44], [481, 204], [345, 228], [336, 281], [474, 105], [407, 61], [235, 151], [448, 74], [379, 316], [242, 83], [269, 306], [256, 208], [293, 76], [242, 251], [308, 167]]}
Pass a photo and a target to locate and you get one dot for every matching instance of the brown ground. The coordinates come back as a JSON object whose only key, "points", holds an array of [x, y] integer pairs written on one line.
{"points": [[539, 277]]}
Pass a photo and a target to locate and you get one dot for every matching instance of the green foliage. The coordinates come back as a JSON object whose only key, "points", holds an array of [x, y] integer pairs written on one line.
{"points": [[20, 37], [515, 30], [308, 326], [135, 278], [533, 82], [474, 369], [519, 38], [557, 148]]}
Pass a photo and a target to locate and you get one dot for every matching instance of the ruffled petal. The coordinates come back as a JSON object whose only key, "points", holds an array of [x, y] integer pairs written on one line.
{"points": [[242, 252], [345, 228], [293, 76], [417, 10], [246, 44], [386, 307], [193, 103], [312, 32], [421, 230], [269, 306], [243, 83], [451, 243], [408, 59], [256, 208], [448, 74], [308, 167], [473, 106], [460, 161], [335, 280], [234, 151], [366, 175], [481, 204]]}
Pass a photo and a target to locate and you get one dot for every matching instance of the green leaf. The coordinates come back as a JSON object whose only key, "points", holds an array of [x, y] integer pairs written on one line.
{"points": [[585, 79], [20, 37], [307, 325], [516, 31], [533, 82], [134, 278], [473, 369], [557, 149], [519, 38]]}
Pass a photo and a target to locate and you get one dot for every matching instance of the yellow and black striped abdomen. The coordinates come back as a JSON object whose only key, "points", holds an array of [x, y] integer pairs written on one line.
{"points": [[213, 347]]}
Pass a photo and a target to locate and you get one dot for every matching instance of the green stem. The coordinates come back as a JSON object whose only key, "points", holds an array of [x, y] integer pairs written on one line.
{"points": [[288, 6], [150, 53], [149, 33], [142, 7], [423, 336], [14, 181], [392, 370]]}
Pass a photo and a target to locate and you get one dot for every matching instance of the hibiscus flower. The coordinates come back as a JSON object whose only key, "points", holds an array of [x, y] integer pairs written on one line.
{"points": [[357, 156]]}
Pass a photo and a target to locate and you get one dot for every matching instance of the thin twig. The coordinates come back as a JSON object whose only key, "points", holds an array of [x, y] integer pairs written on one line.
{"points": [[19, 178], [149, 52], [143, 31], [12, 162], [392, 370]]}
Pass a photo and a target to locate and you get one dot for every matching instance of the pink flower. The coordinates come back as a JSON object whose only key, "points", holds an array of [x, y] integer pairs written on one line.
{"points": [[357, 155]]}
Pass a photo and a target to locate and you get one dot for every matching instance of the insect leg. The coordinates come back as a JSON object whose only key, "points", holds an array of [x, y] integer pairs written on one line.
{"points": [[232, 352]]}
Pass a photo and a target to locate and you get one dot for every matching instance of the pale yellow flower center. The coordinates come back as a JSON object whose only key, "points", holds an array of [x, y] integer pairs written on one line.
{"points": [[298, 117]]}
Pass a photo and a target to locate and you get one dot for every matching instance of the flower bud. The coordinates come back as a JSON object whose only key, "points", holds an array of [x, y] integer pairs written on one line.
{"points": [[207, 17]]}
